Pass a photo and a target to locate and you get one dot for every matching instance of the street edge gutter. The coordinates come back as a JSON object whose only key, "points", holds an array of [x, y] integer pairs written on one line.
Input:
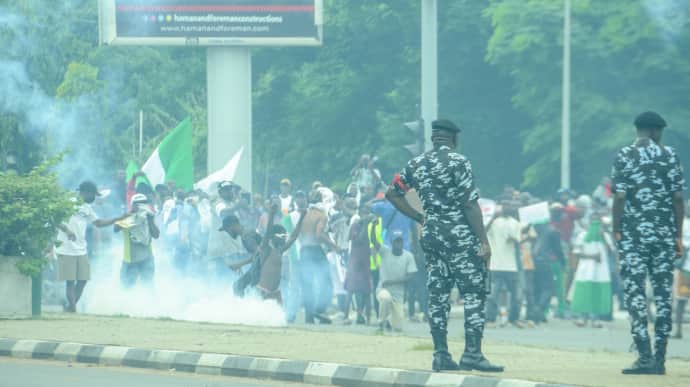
{"points": [[246, 366]]}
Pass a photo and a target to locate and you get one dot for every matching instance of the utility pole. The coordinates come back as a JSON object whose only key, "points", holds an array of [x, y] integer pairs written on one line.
{"points": [[565, 110], [429, 67]]}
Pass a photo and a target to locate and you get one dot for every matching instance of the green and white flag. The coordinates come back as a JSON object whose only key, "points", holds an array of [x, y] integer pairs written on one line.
{"points": [[172, 160], [133, 168], [209, 183]]}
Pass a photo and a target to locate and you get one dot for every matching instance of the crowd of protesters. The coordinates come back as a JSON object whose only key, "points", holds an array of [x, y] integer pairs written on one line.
{"points": [[351, 257]]}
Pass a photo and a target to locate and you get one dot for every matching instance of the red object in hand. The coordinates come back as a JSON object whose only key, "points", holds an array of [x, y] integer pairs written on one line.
{"points": [[397, 181]]}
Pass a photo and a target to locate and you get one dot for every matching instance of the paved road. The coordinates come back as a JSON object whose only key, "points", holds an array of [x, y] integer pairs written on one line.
{"points": [[38, 373], [561, 334]]}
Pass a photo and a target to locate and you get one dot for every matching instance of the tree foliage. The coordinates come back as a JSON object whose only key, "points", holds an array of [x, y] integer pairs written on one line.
{"points": [[31, 206], [316, 109], [624, 61]]}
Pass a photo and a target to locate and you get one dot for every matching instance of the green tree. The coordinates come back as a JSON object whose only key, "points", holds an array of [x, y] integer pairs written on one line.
{"points": [[623, 62], [31, 207]]}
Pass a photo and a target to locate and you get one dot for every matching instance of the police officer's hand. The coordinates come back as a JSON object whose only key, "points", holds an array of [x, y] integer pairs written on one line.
{"points": [[485, 250]]}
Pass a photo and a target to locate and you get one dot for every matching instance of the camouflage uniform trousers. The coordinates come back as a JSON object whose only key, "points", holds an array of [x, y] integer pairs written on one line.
{"points": [[467, 271], [654, 258]]}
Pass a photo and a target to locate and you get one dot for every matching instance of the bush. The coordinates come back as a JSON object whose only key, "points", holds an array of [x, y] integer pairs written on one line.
{"points": [[31, 207]]}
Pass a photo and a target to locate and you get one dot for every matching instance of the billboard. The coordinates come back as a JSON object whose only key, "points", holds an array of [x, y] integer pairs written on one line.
{"points": [[211, 22]]}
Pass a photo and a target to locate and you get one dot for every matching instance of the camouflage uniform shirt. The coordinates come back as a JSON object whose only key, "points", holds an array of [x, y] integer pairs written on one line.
{"points": [[445, 184], [444, 181], [648, 174]]}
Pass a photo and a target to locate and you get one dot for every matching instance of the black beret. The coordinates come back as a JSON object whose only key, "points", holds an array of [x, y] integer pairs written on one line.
{"points": [[445, 125], [88, 187], [649, 120]]}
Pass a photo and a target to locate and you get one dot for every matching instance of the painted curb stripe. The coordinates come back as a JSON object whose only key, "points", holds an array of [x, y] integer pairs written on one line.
{"points": [[411, 378], [186, 361], [67, 352], [245, 366], [347, 376], [90, 354], [24, 349], [379, 377], [438, 380], [138, 358], [210, 364], [237, 366], [291, 370], [6, 346], [515, 383], [263, 368], [476, 381], [320, 373], [113, 356], [44, 350], [161, 359]]}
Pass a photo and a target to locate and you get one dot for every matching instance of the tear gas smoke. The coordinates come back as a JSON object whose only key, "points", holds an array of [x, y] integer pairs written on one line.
{"points": [[670, 16], [172, 295]]}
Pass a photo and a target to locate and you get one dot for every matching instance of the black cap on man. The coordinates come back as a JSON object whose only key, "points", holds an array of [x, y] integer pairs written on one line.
{"points": [[446, 125], [88, 191], [649, 120], [444, 132], [650, 123]]}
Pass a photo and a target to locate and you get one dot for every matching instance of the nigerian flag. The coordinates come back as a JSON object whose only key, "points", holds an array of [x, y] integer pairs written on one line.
{"points": [[133, 168], [172, 160]]}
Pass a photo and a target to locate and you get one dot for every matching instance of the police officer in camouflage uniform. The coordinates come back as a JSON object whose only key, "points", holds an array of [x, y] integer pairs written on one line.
{"points": [[648, 216], [454, 242]]}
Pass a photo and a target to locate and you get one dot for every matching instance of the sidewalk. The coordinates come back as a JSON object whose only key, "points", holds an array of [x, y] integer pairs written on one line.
{"points": [[546, 365]]}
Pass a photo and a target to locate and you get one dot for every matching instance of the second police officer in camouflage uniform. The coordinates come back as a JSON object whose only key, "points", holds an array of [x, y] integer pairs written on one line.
{"points": [[454, 242], [647, 222]]}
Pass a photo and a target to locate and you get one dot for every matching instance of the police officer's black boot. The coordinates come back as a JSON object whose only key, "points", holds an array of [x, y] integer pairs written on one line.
{"points": [[473, 359], [660, 356], [645, 364], [443, 361]]}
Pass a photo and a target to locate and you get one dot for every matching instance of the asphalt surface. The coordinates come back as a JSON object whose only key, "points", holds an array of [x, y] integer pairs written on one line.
{"points": [[39, 373], [561, 334]]}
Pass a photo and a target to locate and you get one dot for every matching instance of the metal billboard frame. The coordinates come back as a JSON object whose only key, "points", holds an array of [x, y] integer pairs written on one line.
{"points": [[107, 33]]}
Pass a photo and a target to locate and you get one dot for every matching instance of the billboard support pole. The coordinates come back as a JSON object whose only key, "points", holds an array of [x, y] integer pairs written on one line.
{"points": [[229, 88], [429, 68]]}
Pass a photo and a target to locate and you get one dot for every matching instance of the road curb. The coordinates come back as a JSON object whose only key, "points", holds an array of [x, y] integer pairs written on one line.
{"points": [[247, 366]]}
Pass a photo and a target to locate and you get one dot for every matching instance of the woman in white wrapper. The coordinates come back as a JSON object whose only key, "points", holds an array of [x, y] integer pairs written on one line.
{"points": [[591, 290]]}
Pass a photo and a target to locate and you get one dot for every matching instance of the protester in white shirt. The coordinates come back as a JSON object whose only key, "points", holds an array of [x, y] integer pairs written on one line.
{"points": [[220, 243], [504, 233], [71, 250], [287, 204], [236, 251], [397, 269]]}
